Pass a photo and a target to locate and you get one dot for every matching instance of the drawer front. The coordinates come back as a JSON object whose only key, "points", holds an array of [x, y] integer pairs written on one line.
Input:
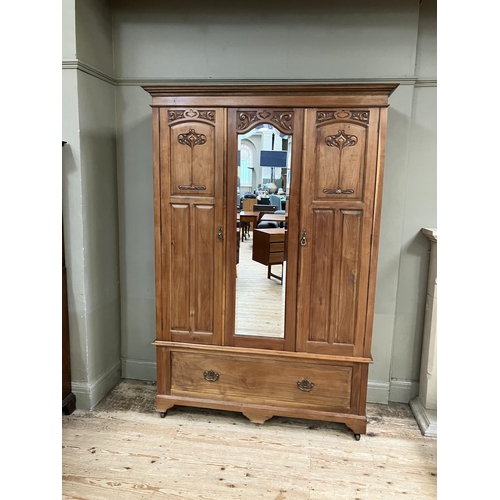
{"points": [[276, 258], [270, 382], [277, 237], [276, 247]]}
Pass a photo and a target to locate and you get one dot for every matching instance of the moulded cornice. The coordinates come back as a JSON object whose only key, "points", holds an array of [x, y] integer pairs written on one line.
{"points": [[266, 89]]}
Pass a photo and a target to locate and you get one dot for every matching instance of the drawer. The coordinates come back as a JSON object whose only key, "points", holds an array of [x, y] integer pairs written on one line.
{"points": [[277, 237], [261, 381], [276, 258], [276, 247]]}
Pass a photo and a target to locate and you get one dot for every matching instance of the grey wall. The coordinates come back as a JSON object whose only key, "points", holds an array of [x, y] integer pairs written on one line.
{"points": [[157, 41], [94, 34], [279, 39], [90, 204], [137, 271]]}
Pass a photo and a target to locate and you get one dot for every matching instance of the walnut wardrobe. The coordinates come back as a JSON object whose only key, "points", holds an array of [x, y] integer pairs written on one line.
{"points": [[315, 365]]}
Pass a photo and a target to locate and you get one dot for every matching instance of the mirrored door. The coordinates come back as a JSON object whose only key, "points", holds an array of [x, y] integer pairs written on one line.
{"points": [[262, 159]]}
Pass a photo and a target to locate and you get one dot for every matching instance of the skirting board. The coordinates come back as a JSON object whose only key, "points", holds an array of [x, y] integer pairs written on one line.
{"points": [[378, 392], [89, 394], [396, 391], [426, 419], [137, 369], [403, 391]]}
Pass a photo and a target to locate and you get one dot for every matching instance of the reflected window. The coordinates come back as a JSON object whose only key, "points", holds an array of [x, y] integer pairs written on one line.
{"points": [[246, 162]]}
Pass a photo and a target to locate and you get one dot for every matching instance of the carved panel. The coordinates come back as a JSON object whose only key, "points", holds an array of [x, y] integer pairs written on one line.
{"points": [[344, 114], [347, 275], [281, 119], [204, 268], [340, 157], [180, 266], [182, 114], [320, 270], [192, 159]]}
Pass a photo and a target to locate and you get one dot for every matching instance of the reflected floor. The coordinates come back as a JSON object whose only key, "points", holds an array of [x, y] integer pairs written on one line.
{"points": [[260, 302]]}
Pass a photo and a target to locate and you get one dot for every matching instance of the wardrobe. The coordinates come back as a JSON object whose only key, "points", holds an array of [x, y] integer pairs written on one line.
{"points": [[215, 346]]}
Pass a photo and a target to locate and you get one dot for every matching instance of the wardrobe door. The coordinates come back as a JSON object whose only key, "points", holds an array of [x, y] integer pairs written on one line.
{"points": [[335, 223], [191, 152]]}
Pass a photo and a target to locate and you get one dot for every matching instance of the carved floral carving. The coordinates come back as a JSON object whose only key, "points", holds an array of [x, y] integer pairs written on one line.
{"points": [[247, 118], [338, 191], [192, 139], [283, 119], [181, 114], [341, 140], [344, 114]]}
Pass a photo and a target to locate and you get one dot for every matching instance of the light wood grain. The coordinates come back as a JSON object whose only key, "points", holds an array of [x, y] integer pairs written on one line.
{"points": [[192, 187], [124, 450], [334, 263]]}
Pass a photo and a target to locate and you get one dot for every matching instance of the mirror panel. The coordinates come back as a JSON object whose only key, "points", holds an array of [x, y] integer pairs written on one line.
{"points": [[263, 185]]}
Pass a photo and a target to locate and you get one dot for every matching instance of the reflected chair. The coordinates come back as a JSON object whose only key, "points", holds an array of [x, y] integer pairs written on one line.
{"points": [[266, 208], [281, 212], [275, 200]]}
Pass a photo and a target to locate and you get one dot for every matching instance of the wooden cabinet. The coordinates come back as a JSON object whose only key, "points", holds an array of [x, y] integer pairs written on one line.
{"points": [[269, 248], [319, 368]]}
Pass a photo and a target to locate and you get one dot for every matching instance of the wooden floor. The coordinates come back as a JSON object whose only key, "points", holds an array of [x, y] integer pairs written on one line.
{"points": [[260, 302], [124, 450]]}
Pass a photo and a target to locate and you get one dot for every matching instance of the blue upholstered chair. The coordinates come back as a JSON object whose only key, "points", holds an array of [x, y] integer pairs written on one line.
{"points": [[275, 200]]}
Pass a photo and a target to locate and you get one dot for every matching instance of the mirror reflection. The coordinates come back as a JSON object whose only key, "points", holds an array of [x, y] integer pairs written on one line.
{"points": [[264, 159]]}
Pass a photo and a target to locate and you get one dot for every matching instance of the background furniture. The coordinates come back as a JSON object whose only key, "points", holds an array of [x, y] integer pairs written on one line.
{"points": [[247, 206], [248, 203], [263, 209], [279, 218], [275, 200], [247, 219], [319, 369], [269, 249]]}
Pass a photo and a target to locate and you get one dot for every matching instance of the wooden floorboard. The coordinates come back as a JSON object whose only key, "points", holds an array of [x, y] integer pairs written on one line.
{"points": [[124, 450], [260, 302]]}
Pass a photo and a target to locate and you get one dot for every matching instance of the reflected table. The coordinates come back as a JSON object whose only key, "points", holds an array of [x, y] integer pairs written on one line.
{"points": [[247, 217]]}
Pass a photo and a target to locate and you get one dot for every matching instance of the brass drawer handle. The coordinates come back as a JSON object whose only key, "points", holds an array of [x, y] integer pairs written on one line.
{"points": [[219, 234], [305, 385], [211, 376]]}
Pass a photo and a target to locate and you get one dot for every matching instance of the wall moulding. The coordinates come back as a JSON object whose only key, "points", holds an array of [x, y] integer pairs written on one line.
{"points": [[167, 81], [87, 68]]}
